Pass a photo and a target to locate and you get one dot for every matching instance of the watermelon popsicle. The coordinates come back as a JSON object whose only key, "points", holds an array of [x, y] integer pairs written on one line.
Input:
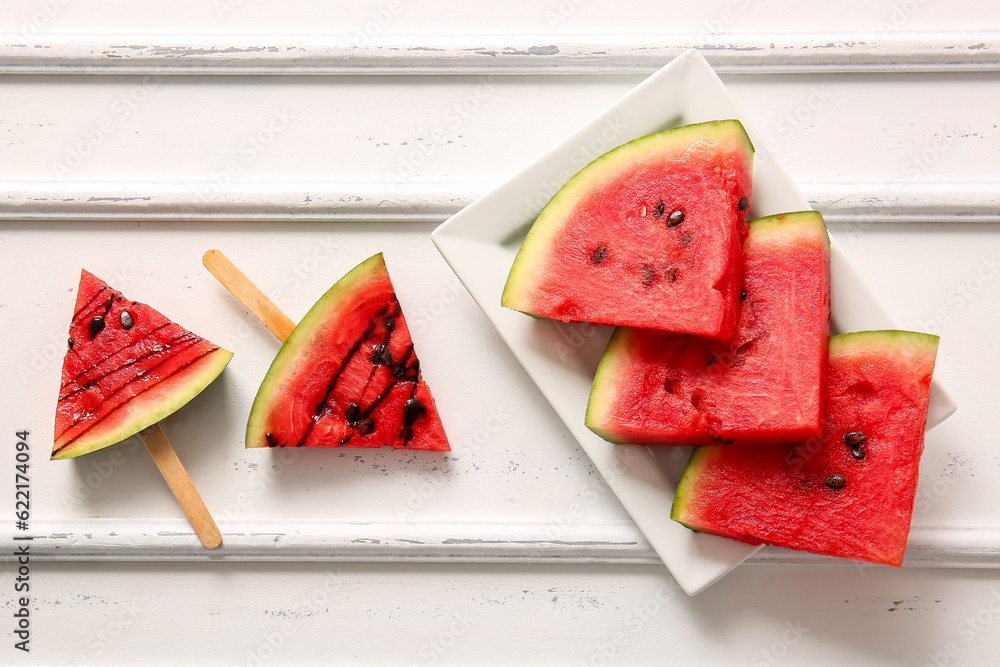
{"points": [[347, 375], [126, 368]]}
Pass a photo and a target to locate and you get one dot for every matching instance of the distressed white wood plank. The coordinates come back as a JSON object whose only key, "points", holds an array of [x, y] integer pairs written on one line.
{"points": [[860, 201], [618, 542], [728, 52]]}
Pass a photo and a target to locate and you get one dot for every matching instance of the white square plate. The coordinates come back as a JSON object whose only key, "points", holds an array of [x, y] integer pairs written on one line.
{"points": [[480, 243]]}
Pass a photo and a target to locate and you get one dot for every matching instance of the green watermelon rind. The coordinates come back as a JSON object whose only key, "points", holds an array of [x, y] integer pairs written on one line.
{"points": [[783, 222], [892, 340], [208, 367], [553, 215], [615, 353], [300, 338], [617, 349]]}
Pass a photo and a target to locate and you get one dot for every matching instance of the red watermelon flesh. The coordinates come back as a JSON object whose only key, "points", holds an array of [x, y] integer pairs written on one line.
{"points": [[848, 493], [348, 375], [648, 235], [763, 387], [127, 367]]}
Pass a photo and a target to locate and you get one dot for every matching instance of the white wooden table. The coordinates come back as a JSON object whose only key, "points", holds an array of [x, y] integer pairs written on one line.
{"points": [[302, 137]]}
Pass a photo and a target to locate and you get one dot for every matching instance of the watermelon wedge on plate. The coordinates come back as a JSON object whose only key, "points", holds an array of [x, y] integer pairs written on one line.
{"points": [[647, 235], [763, 387], [127, 367], [849, 493]]}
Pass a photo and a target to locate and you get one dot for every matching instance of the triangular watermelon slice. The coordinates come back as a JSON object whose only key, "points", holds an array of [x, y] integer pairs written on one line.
{"points": [[348, 375], [848, 493], [648, 235], [127, 367]]}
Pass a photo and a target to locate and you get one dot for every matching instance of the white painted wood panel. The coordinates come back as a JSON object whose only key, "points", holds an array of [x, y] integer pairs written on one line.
{"points": [[887, 154]]}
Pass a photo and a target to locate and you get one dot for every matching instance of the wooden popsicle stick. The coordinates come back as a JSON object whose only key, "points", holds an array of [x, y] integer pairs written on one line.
{"points": [[180, 483], [248, 294]]}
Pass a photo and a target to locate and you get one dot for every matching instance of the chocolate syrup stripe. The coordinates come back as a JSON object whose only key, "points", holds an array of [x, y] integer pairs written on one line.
{"points": [[352, 352], [386, 316], [127, 346], [336, 376], [177, 370]]}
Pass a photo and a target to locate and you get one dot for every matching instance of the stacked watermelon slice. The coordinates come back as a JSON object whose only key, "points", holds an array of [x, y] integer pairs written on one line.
{"points": [[805, 441]]}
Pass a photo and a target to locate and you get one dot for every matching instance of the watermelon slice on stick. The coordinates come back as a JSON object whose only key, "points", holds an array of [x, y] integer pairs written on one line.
{"points": [[347, 375], [848, 493], [128, 367]]}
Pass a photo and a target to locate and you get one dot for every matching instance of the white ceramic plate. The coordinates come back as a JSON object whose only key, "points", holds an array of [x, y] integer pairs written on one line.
{"points": [[480, 243]]}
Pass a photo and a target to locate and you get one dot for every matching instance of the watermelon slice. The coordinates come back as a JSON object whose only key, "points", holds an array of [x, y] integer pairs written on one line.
{"points": [[647, 235], [348, 375], [849, 493], [127, 367], [763, 387]]}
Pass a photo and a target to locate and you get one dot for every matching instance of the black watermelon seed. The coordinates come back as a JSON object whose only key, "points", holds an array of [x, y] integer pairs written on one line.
{"points": [[69, 342], [381, 355], [743, 204], [854, 439], [676, 218], [858, 453], [743, 295], [126, 319], [271, 440], [390, 323], [711, 361], [412, 410], [398, 372], [835, 481], [366, 426], [351, 413], [597, 254], [658, 211], [724, 441], [95, 326]]}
